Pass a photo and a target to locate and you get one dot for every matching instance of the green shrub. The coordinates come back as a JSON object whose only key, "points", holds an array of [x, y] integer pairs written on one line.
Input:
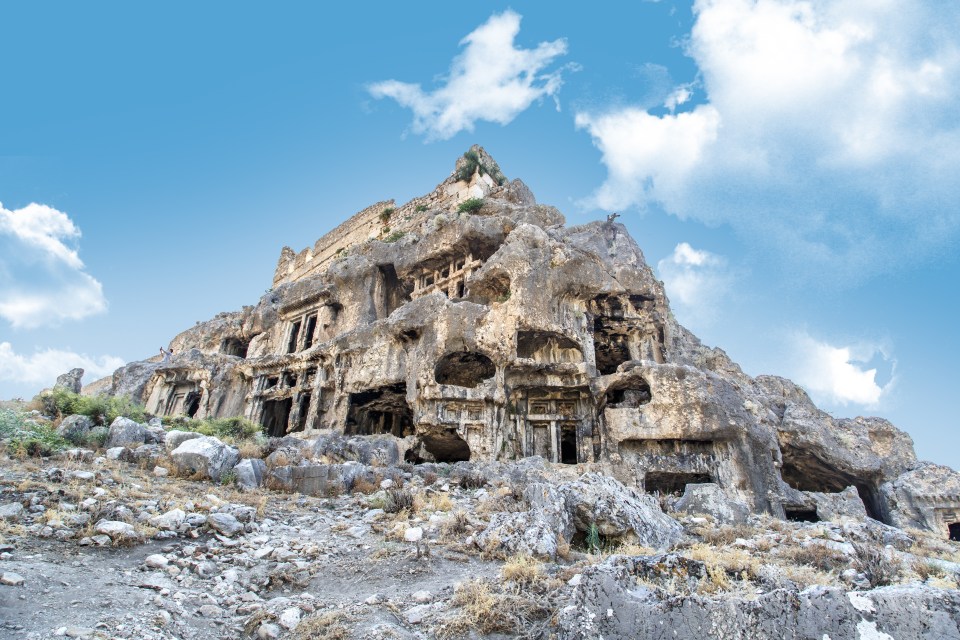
{"points": [[473, 163], [471, 205], [235, 429], [393, 237], [420, 208], [101, 409], [25, 437], [385, 215]]}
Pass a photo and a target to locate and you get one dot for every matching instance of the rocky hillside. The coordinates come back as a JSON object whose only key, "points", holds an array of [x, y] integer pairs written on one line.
{"points": [[137, 540]]}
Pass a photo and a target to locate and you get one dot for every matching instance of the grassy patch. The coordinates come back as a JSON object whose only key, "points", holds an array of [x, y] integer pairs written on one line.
{"points": [[470, 205], [101, 409], [25, 437], [226, 429]]}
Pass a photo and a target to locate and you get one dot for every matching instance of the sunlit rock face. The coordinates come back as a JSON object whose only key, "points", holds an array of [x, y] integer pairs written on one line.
{"points": [[472, 324]]}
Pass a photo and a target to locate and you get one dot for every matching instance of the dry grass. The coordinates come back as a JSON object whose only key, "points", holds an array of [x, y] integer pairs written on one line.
{"points": [[735, 562], [251, 449], [455, 525], [328, 625], [440, 502], [522, 570], [818, 556], [363, 485]]}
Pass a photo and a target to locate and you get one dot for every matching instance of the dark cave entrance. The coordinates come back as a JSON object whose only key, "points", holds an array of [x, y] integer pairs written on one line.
{"points": [[802, 515], [234, 347], [276, 414], [804, 471], [568, 443], [667, 483], [955, 531], [191, 404], [632, 397], [380, 410], [447, 447], [464, 369]]}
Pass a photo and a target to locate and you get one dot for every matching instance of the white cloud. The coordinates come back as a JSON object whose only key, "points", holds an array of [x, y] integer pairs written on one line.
{"points": [[490, 80], [839, 375], [697, 282], [42, 279], [43, 367], [830, 133]]}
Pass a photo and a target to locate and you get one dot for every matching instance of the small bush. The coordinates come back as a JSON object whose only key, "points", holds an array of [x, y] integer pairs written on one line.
{"points": [[393, 237], [420, 208], [471, 205], [398, 500], [472, 480], [235, 429], [876, 566], [523, 570], [100, 409], [28, 438], [385, 215]]}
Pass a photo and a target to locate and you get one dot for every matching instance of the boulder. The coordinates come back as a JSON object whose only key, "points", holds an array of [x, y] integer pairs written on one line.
{"points": [[118, 531], [205, 456], [618, 511], [174, 438], [250, 473], [124, 432], [519, 533], [709, 499], [169, 521], [75, 428], [918, 497], [70, 381], [11, 511], [224, 523], [845, 505]]}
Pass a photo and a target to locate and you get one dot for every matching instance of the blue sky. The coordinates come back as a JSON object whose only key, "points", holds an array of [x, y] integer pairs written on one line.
{"points": [[790, 169]]}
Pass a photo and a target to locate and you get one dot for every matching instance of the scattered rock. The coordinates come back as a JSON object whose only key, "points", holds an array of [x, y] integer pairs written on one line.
{"points": [[124, 432], [11, 511], [205, 456], [250, 473], [118, 531], [11, 579], [224, 523]]}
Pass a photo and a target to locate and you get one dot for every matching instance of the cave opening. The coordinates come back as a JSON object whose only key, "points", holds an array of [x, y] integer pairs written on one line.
{"points": [[611, 347], [276, 414], [393, 294], [294, 337], [380, 410], [804, 471], [672, 483], [310, 331], [234, 347], [191, 403], [955, 531], [568, 444], [303, 409], [802, 515], [630, 397], [464, 369], [447, 446]]}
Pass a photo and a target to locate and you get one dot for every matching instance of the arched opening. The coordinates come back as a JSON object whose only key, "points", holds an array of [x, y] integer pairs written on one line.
{"points": [[804, 471], [191, 404], [447, 447], [629, 397], [464, 369], [380, 410], [955, 531]]}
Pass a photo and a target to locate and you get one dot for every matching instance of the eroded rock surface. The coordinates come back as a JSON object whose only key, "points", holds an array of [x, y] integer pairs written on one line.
{"points": [[471, 324]]}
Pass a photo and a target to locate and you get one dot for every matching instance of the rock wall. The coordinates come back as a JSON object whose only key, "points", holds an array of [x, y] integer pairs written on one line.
{"points": [[498, 333]]}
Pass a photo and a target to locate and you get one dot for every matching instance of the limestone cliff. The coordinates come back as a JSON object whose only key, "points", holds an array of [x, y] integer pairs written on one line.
{"points": [[471, 323]]}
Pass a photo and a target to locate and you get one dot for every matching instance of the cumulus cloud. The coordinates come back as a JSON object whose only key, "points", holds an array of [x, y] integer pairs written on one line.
{"points": [[830, 132], [42, 279], [696, 282], [492, 80], [43, 367], [840, 374]]}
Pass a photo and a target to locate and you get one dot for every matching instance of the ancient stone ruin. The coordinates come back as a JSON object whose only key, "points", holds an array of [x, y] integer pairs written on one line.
{"points": [[472, 324]]}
